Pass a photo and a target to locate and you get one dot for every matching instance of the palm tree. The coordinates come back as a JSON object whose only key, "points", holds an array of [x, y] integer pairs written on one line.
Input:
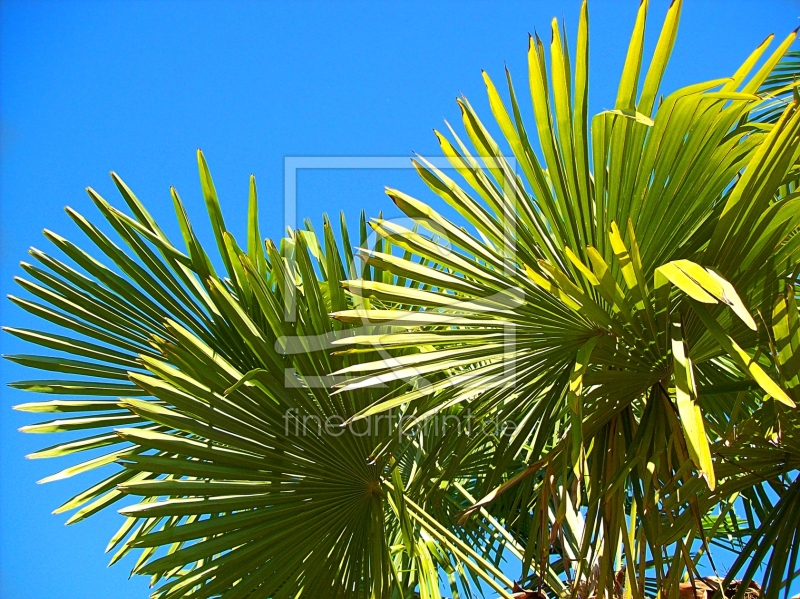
{"points": [[598, 384]]}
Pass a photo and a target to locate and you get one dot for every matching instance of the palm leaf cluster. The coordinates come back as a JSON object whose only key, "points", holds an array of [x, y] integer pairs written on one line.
{"points": [[590, 377]]}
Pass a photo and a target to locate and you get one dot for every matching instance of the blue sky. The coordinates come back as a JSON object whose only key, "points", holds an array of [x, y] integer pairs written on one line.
{"points": [[135, 87]]}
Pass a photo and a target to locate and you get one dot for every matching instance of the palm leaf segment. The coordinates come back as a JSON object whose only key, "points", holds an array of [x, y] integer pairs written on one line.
{"points": [[623, 302], [211, 391]]}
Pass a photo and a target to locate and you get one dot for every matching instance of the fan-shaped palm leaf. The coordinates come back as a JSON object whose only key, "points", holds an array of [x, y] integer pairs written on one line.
{"points": [[608, 299], [221, 416]]}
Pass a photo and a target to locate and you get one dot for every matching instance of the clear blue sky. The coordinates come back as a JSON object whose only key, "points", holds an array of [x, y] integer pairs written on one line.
{"points": [[135, 87]]}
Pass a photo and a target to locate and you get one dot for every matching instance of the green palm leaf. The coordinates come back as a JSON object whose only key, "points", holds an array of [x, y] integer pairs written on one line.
{"points": [[623, 269]]}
